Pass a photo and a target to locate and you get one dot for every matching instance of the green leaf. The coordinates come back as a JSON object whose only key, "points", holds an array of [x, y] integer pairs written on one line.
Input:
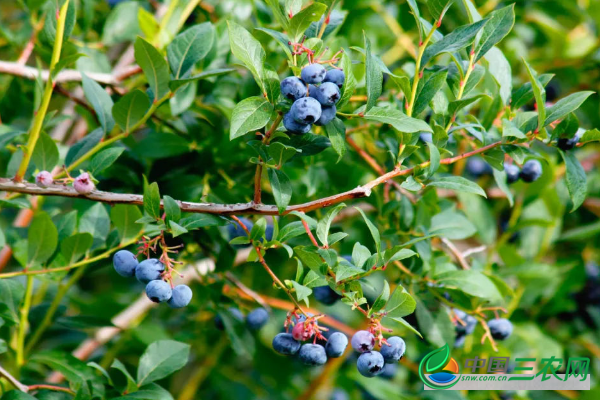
{"points": [[452, 225], [434, 157], [336, 131], [501, 71], [575, 179], [100, 101], [539, 93], [281, 153], [433, 85], [471, 282], [161, 359], [281, 38], [131, 385], [302, 292], [499, 25], [11, 295], [45, 155], [172, 210], [479, 213], [74, 247], [510, 130], [565, 106], [524, 94], [154, 66], [152, 199], [397, 253], [83, 146], [458, 105], [408, 326], [197, 221], [189, 47], [96, 222], [130, 109], [397, 119], [381, 300], [123, 218], [249, 115], [349, 81], [593, 135], [64, 62], [302, 20], [458, 183], [460, 38], [17, 395], [258, 229], [147, 392], [278, 13], [42, 239], [248, 50], [438, 8], [177, 83], [500, 177], [373, 77], [271, 84], [372, 229], [105, 159], [281, 187], [122, 24], [400, 304], [176, 229], [325, 223]]}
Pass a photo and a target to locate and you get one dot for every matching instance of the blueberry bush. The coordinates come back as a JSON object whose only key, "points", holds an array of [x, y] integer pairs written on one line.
{"points": [[321, 193]]}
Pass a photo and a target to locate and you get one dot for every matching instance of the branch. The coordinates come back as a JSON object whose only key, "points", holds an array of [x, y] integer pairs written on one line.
{"points": [[228, 209], [13, 380]]}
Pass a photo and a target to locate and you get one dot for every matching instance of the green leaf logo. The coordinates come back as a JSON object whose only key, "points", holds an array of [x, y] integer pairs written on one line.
{"points": [[437, 359]]}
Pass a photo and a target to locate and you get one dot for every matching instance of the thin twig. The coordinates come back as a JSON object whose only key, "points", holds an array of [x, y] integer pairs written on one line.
{"points": [[14, 381], [457, 254]]}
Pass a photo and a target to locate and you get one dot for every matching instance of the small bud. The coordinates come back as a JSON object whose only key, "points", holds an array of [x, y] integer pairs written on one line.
{"points": [[44, 179], [83, 184]]}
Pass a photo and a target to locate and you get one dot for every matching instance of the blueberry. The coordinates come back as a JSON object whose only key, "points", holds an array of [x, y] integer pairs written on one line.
{"points": [[44, 179], [328, 94], [336, 345], [426, 137], [394, 352], [83, 184], [236, 230], [335, 76], [313, 354], [460, 340], [125, 263], [313, 73], [257, 318], [294, 127], [293, 88], [269, 232], [370, 364], [325, 295], [181, 297], [312, 91], [512, 173], [469, 320], [531, 171], [284, 343], [327, 115], [477, 167], [232, 312], [568, 144], [363, 341], [389, 370], [339, 394], [149, 270], [158, 291], [500, 328], [306, 110]]}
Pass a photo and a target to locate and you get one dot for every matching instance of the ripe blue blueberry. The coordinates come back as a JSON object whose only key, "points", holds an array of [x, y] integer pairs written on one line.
{"points": [[389, 370], [394, 352], [313, 354], [233, 313], [426, 137], [460, 340], [312, 91], [335, 76], [339, 394], [236, 230], [328, 94], [313, 73], [363, 341], [295, 127], [531, 171], [306, 110], [325, 295], [284, 343], [149, 270], [336, 344], [469, 320], [500, 328], [568, 144], [327, 115], [125, 263], [293, 88], [181, 297], [257, 318], [477, 167], [512, 173], [370, 364], [158, 291]]}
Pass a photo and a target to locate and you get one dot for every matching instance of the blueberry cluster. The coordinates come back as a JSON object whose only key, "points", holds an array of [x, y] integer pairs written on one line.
{"points": [[150, 272], [255, 319], [309, 353], [531, 171], [465, 325], [371, 362], [311, 104]]}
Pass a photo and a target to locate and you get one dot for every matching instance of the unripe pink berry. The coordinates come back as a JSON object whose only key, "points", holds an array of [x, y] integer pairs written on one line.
{"points": [[44, 179], [83, 184]]}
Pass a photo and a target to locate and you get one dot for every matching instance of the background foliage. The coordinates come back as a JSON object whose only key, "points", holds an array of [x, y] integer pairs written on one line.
{"points": [[223, 60]]}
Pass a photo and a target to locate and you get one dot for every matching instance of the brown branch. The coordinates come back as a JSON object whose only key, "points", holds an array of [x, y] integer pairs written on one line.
{"points": [[52, 387], [457, 254], [8, 185]]}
